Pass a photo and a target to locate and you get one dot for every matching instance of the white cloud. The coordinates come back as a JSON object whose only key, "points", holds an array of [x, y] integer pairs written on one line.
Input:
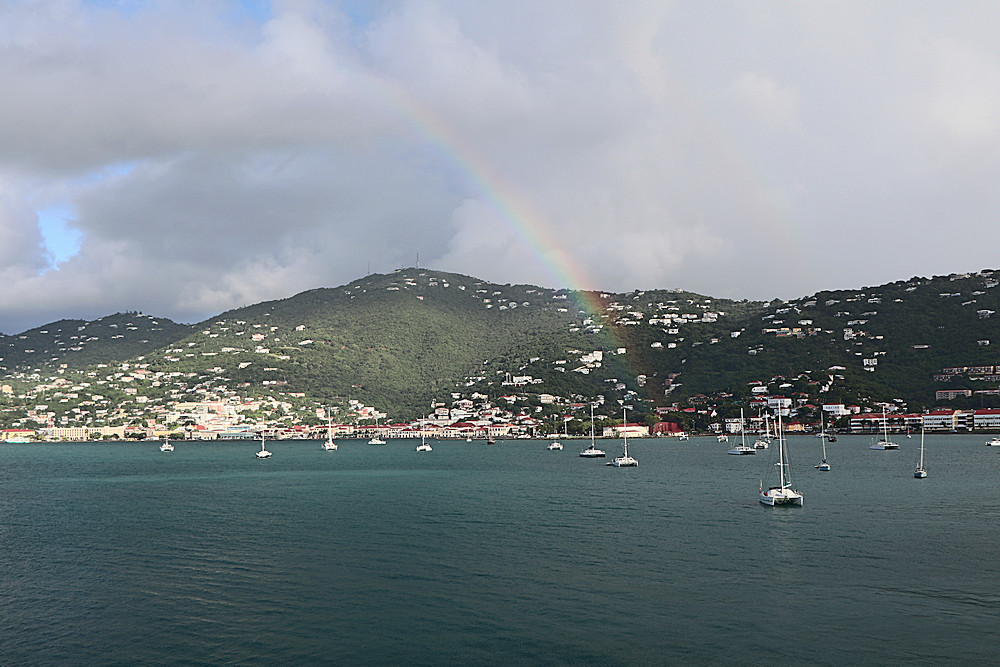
{"points": [[768, 101], [729, 150]]}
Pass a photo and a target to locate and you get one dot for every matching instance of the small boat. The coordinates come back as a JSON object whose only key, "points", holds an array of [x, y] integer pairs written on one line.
{"points": [[782, 494], [375, 439], [592, 452], [823, 465], [491, 441], [683, 436], [263, 453], [831, 438], [423, 446], [723, 437], [921, 471], [553, 446], [624, 461], [743, 448], [765, 439], [885, 442], [993, 442], [329, 445], [166, 446]]}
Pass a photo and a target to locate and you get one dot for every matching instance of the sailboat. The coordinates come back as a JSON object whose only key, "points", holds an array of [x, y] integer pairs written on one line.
{"points": [[782, 494], [555, 445], [765, 437], [423, 446], [375, 439], [329, 445], [823, 465], [624, 461], [885, 442], [263, 453], [592, 452], [166, 446], [921, 472], [744, 448]]}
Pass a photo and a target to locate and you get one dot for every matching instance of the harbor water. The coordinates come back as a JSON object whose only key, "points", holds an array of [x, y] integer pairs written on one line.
{"points": [[505, 554]]}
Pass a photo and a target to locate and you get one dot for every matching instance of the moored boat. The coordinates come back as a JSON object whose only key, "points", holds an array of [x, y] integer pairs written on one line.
{"points": [[782, 493]]}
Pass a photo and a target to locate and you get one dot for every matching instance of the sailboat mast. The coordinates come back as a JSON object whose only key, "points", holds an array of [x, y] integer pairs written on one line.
{"points": [[781, 452], [921, 447], [591, 425], [625, 430]]}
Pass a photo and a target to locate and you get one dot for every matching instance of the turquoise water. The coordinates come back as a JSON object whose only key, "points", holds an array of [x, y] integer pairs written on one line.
{"points": [[512, 554]]}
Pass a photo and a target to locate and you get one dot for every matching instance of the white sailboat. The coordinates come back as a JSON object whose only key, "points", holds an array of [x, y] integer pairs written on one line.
{"points": [[624, 461], [823, 465], [329, 445], [885, 442], [423, 446], [592, 452], [555, 446], [743, 448], [782, 494], [263, 453], [166, 446], [375, 439], [765, 438], [921, 471]]}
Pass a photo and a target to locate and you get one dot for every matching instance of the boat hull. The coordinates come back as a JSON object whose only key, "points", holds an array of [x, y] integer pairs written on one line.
{"points": [[624, 462], [780, 497], [884, 445]]}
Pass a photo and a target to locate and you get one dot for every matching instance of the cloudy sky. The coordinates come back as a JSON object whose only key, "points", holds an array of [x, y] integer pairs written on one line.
{"points": [[184, 157]]}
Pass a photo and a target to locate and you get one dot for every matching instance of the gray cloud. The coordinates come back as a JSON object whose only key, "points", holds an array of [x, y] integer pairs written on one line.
{"points": [[741, 150]]}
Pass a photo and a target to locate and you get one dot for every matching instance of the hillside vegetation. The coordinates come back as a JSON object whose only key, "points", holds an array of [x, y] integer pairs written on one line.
{"points": [[402, 340]]}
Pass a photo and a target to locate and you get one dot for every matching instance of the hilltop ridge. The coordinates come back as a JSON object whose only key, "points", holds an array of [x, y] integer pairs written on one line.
{"points": [[403, 340]]}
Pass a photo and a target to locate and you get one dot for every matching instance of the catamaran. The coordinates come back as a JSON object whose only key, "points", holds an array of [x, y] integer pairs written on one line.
{"points": [[263, 453], [624, 461], [592, 452], [743, 448], [166, 446], [424, 446], [885, 442], [782, 494]]}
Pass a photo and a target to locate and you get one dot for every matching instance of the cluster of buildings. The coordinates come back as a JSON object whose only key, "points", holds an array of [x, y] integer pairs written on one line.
{"points": [[942, 420]]}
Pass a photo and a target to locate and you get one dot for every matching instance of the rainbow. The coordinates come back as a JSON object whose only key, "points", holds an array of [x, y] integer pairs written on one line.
{"points": [[522, 217]]}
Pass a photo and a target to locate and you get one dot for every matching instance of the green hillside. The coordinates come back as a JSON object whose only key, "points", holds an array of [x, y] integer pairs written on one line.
{"points": [[401, 340], [81, 343]]}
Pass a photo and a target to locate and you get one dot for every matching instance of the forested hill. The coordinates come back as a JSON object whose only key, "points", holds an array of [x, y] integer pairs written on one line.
{"points": [[403, 339], [81, 343]]}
